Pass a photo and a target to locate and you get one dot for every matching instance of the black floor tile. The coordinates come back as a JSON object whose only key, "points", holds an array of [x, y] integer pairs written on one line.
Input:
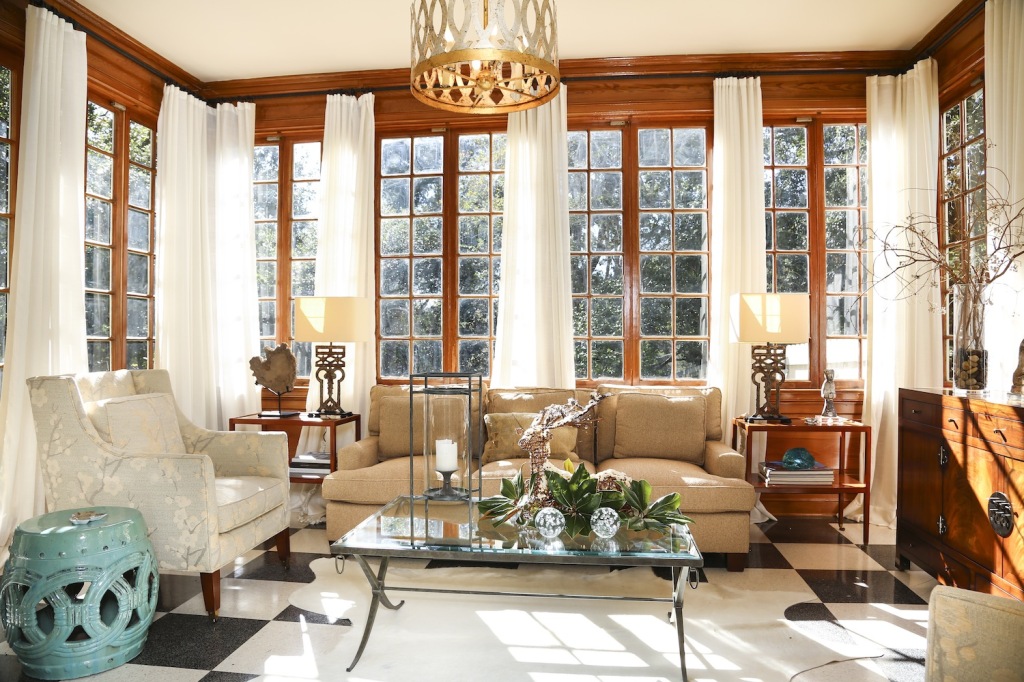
{"points": [[217, 676], [883, 554], [175, 590], [808, 611], [802, 530], [903, 665], [858, 587], [268, 566], [270, 544], [294, 614], [186, 641], [765, 555]]}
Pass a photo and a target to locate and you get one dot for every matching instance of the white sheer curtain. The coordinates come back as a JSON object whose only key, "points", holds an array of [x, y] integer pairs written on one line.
{"points": [[534, 339], [1004, 102], [344, 259], [905, 335], [46, 310], [206, 326], [737, 233]]}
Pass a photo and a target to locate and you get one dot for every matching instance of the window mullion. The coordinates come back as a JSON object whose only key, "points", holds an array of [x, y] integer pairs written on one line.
{"points": [[450, 252], [631, 255]]}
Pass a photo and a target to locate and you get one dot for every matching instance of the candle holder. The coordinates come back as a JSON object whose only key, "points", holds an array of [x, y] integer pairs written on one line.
{"points": [[451, 404]]}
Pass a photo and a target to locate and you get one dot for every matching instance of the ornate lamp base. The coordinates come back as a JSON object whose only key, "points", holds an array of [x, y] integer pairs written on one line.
{"points": [[768, 371]]}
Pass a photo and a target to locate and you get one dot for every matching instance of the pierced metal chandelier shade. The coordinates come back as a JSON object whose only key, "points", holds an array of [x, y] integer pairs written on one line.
{"points": [[483, 57]]}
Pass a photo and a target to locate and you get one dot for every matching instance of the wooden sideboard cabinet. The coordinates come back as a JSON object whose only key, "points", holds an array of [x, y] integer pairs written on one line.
{"points": [[960, 496]]}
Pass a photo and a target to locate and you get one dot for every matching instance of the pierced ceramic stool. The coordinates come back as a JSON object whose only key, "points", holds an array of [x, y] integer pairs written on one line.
{"points": [[76, 600]]}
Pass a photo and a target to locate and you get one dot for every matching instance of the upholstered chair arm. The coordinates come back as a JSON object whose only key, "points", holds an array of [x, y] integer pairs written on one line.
{"points": [[358, 455], [240, 453], [721, 460]]}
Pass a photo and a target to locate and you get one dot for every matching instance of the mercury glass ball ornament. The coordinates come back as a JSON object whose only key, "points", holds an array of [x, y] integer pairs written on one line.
{"points": [[549, 522], [797, 458], [605, 522]]}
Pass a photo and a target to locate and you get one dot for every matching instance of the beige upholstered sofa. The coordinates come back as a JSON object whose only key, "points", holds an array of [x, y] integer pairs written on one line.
{"points": [[671, 436]]}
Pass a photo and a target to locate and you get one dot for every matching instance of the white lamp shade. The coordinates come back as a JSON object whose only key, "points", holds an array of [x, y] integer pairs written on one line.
{"points": [[773, 318], [333, 319]]}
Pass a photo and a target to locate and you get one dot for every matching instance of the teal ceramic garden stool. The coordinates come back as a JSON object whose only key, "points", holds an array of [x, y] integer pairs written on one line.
{"points": [[78, 599]]}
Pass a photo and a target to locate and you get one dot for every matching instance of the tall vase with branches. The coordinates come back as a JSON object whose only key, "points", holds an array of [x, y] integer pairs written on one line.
{"points": [[911, 257]]}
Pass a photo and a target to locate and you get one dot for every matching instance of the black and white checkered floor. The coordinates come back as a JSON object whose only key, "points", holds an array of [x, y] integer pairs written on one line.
{"points": [[849, 590]]}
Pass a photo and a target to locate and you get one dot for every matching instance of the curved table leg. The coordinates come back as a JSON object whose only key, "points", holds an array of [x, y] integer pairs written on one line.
{"points": [[680, 576], [379, 597]]}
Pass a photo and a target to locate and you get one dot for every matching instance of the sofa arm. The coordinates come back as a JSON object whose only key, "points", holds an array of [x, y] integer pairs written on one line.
{"points": [[241, 453], [359, 455], [721, 460]]}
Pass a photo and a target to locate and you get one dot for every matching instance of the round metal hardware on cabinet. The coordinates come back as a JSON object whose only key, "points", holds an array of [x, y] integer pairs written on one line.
{"points": [[1000, 514]]}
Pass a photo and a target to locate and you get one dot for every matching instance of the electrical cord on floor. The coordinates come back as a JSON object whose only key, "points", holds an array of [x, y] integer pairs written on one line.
{"points": [[841, 660]]}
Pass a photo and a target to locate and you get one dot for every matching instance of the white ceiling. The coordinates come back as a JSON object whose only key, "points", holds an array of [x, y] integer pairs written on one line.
{"points": [[228, 39]]}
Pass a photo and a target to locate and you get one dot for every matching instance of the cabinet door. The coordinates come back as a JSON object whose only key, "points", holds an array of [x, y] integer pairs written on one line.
{"points": [[1013, 546], [920, 480], [970, 477]]}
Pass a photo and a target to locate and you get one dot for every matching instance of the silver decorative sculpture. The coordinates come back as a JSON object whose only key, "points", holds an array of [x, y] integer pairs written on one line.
{"points": [[828, 392]]}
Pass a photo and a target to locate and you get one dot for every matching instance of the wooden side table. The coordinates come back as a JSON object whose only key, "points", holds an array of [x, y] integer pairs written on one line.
{"points": [[846, 482], [293, 425]]}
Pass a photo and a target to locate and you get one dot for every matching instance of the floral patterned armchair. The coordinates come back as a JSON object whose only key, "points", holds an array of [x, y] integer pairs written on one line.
{"points": [[117, 438]]}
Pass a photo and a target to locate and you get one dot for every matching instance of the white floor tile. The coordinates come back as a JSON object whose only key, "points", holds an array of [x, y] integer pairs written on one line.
{"points": [[311, 541], [261, 599], [827, 557], [295, 651]]}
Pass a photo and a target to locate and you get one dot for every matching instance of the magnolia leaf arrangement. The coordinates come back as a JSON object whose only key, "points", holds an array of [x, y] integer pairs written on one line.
{"points": [[578, 495]]}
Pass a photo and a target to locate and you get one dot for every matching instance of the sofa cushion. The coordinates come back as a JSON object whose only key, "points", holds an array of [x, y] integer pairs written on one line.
{"points": [[492, 473], [378, 392], [141, 424], [526, 399], [700, 492], [378, 484], [607, 409], [244, 498], [394, 426], [93, 386], [660, 427], [503, 437]]}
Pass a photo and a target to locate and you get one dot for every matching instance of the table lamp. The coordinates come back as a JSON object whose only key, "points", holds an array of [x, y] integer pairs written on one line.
{"points": [[770, 321], [330, 320]]}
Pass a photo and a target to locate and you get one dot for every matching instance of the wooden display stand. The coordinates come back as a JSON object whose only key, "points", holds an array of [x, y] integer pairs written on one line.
{"points": [[848, 481]]}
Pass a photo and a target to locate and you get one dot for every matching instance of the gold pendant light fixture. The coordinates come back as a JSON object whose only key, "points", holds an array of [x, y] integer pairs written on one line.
{"points": [[483, 57]]}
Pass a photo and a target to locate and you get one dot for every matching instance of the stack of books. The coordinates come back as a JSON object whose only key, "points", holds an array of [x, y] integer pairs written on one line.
{"points": [[774, 473], [310, 464]]}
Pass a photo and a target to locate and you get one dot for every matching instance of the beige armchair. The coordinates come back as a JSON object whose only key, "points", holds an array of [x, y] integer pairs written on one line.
{"points": [[973, 637], [118, 438]]}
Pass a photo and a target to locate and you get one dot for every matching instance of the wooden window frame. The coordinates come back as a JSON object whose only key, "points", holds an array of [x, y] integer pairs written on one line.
{"points": [[118, 338]]}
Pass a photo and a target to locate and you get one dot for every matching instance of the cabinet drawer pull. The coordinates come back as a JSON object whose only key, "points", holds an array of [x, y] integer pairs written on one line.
{"points": [[915, 412], [953, 422], [1001, 434]]}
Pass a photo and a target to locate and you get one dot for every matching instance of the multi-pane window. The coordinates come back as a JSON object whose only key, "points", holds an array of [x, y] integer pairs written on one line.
{"points": [[597, 253], [787, 219], [672, 185], [480, 208], [286, 207], [410, 250], [6, 217], [845, 173], [963, 198], [119, 218]]}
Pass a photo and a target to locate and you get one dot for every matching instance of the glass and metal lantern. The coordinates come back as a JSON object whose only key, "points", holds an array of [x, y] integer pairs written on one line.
{"points": [[452, 430]]}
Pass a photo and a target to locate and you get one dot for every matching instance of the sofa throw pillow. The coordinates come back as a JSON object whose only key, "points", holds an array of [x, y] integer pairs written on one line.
{"points": [[503, 438], [660, 426], [141, 424], [394, 427]]}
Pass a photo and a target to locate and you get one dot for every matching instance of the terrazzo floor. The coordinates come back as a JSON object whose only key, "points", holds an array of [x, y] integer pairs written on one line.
{"points": [[827, 587]]}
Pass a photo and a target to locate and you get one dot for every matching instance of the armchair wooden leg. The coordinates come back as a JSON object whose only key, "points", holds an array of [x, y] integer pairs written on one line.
{"points": [[735, 561], [284, 546], [211, 593]]}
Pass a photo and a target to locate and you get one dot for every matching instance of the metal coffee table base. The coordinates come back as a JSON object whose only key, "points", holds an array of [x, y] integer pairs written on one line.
{"points": [[680, 577]]}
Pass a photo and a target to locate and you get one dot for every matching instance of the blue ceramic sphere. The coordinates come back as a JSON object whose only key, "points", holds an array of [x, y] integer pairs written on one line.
{"points": [[797, 458]]}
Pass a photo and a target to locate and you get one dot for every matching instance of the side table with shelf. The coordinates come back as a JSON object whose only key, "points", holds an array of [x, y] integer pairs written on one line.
{"points": [[847, 481], [293, 425]]}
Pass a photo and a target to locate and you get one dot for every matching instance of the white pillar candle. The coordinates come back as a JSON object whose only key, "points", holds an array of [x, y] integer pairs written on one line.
{"points": [[447, 455]]}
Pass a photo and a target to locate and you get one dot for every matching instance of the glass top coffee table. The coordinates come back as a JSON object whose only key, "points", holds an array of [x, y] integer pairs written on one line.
{"points": [[419, 528]]}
